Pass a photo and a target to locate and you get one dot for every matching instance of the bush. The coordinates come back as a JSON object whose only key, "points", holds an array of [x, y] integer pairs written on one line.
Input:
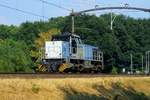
{"points": [[14, 57], [35, 88], [114, 70]]}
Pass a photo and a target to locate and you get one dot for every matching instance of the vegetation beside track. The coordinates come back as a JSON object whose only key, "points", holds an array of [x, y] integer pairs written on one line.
{"points": [[20, 46], [98, 88]]}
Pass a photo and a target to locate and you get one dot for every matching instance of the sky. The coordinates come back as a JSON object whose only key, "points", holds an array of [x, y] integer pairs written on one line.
{"points": [[9, 17]]}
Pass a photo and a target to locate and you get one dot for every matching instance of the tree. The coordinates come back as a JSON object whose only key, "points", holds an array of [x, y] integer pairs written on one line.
{"points": [[40, 42], [38, 52], [7, 32], [129, 35], [45, 36], [14, 57]]}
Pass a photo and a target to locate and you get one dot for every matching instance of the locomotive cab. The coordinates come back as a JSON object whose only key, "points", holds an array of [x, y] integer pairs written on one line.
{"points": [[73, 39], [75, 45]]}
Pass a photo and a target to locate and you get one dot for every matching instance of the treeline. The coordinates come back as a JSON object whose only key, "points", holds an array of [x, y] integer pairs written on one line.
{"points": [[128, 36]]}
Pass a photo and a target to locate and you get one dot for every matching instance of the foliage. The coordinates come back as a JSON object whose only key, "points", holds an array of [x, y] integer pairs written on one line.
{"points": [[35, 88], [7, 31], [14, 57], [40, 42], [114, 70], [45, 36], [128, 36]]}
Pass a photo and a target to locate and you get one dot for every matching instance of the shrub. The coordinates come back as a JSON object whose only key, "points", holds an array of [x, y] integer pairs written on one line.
{"points": [[114, 70], [35, 88], [14, 57]]}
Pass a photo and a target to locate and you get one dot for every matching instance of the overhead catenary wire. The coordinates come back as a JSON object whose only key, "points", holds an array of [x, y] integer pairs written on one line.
{"points": [[53, 4], [6, 2], [43, 10], [23, 11]]}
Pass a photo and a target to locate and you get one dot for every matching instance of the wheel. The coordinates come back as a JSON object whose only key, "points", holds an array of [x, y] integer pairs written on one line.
{"points": [[52, 68]]}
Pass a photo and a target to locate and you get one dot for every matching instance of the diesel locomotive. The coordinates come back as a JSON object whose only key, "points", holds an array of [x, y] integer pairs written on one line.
{"points": [[67, 53]]}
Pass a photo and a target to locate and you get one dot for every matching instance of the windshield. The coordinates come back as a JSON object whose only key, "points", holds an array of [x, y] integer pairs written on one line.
{"points": [[60, 38]]}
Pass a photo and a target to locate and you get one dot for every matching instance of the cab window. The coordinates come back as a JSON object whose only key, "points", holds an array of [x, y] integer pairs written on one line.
{"points": [[74, 46]]}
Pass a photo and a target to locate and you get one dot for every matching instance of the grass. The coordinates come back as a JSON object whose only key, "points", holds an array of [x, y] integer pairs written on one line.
{"points": [[106, 88]]}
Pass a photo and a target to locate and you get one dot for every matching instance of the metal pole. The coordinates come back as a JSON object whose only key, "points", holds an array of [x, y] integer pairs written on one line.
{"points": [[72, 22], [102, 60], [112, 20], [146, 63], [72, 18], [149, 64], [147, 69], [142, 63], [111, 23], [131, 66]]}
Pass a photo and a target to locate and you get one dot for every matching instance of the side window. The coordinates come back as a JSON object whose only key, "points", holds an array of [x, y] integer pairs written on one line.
{"points": [[74, 46], [79, 40], [95, 54]]}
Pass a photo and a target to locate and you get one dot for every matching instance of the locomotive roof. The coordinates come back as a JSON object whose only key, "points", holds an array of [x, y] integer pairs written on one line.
{"points": [[66, 35]]}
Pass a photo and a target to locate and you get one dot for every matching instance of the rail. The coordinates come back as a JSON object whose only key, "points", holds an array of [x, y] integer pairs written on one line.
{"points": [[56, 75]]}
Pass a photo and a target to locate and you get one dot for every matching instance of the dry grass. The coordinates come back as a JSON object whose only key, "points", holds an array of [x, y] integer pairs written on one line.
{"points": [[107, 88]]}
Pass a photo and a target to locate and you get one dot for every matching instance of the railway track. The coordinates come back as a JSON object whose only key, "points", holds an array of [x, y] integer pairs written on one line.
{"points": [[34, 76]]}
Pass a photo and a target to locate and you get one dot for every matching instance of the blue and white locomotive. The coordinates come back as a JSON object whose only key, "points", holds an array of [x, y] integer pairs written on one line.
{"points": [[67, 53]]}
